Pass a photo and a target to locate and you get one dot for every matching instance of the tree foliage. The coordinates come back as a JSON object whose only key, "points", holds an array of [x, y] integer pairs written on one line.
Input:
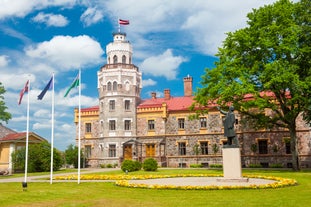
{"points": [[4, 115], [39, 158], [268, 64], [71, 155]]}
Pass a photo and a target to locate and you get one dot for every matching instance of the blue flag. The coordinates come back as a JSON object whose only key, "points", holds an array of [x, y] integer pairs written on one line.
{"points": [[47, 87]]}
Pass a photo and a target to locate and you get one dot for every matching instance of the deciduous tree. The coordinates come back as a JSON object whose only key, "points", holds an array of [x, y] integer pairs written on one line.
{"points": [[269, 62]]}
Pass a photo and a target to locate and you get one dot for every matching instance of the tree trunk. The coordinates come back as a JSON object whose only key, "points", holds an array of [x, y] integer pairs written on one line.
{"points": [[294, 147]]}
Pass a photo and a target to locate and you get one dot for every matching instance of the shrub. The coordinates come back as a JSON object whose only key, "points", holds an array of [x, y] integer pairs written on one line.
{"points": [[196, 165], [216, 165], [102, 165], [109, 166], [130, 166], [278, 165], [150, 164], [255, 165]]}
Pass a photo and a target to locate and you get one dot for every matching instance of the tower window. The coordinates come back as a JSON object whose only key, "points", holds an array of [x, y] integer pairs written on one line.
{"points": [[127, 105], [109, 86], [112, 125], [115, 86], [115, 59], [123, 59], [112, 105]]}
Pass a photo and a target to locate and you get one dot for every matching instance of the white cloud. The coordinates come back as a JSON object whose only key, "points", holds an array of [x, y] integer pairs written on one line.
{"points": [[68, 52], [20, 8], [4, 60], [149, 82], [203, 23], [91, 16], [165, 64], [51, 19]]}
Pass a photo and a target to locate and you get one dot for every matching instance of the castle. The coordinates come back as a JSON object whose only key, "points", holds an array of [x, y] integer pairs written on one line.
{"points": [[123, 126]]}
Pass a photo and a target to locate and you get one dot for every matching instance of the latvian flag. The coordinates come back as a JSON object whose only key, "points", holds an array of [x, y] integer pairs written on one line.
{"points": [[124, 22]]}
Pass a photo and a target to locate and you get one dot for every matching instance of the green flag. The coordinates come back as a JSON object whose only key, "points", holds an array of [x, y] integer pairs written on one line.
{"points": [[74, 84]]}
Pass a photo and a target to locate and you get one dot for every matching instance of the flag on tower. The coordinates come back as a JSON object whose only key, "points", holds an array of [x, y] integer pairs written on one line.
{"points": [[21, 94], [74, 84], [124, 22], [47, 87]]}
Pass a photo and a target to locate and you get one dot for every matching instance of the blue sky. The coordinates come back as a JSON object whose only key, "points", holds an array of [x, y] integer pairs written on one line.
{"points": [[170, 39]]}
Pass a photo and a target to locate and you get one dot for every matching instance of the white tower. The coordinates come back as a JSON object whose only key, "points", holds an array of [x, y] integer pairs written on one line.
{"points": [[119, 86]]}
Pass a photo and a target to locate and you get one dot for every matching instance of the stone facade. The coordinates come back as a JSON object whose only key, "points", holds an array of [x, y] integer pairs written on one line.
{"points": [[125, 127]]}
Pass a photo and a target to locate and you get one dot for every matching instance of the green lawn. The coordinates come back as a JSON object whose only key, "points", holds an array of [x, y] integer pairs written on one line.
{"points": [[107, 194]]}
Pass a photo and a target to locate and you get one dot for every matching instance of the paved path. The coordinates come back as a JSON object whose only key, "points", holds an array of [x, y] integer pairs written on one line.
{"points": [[184, 181]]}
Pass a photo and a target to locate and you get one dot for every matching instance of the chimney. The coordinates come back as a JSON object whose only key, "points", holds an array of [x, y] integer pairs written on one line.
{"points": [[153, 95], [167, 94], [188, 86]]}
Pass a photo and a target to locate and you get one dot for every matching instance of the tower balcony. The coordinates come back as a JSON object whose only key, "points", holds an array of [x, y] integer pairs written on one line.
{"points": [[119, 65]]}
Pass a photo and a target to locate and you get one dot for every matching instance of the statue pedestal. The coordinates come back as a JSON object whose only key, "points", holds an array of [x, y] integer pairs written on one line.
{"points": [[232, 165]]}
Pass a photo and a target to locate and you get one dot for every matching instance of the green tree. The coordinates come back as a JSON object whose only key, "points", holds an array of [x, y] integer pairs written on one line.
{"points": [[269, 62], [39, 158], [71, 155], [4, 115]]}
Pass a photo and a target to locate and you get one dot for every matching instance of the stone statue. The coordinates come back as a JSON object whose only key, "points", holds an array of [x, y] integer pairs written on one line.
{"points": [[228, 123]]}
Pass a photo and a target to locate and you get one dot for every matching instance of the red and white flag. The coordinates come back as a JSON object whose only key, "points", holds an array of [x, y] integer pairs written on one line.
{"points": [[124, 22], [21, 94]]}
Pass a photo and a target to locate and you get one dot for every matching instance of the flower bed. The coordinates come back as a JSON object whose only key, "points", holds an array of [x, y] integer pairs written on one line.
{"points": [[123, 181]]}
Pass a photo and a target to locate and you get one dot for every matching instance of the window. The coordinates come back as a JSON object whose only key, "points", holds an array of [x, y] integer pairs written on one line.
{"points": [[150, 124], [115, 86], [182, 148], [204, 148], [203, 122], [287, 147], [88, 151], [88, 127], [109, 86], [127, 105], [112, 125], [181, 123], [115, 59], [263, 146], [127, 125], [112, 152], [123, 59], [112, 105]]}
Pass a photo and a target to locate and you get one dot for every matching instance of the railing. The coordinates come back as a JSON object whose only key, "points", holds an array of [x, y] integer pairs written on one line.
{"points": [[119, 65]]}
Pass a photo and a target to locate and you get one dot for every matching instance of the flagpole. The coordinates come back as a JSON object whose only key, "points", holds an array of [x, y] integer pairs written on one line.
{"points": [[52, 132], [27, 137], [79, 127], [119, 26]]}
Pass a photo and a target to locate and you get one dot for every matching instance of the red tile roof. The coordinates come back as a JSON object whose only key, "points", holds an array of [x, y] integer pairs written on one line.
{"points": [[13, 136], [173, 104], [93, 108]]}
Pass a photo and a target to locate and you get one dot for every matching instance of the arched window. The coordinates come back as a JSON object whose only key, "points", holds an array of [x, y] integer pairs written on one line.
{"points": [[115, 85], [123, 59], [108, 60], [115, 59], [109, 86], [130, 60]]}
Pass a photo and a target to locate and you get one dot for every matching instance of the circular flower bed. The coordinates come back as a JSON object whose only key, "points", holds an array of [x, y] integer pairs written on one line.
{"points": [[123, 180]]}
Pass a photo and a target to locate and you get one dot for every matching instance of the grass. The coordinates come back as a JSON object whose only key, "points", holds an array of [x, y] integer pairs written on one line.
{"points": [[107, 194]]}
